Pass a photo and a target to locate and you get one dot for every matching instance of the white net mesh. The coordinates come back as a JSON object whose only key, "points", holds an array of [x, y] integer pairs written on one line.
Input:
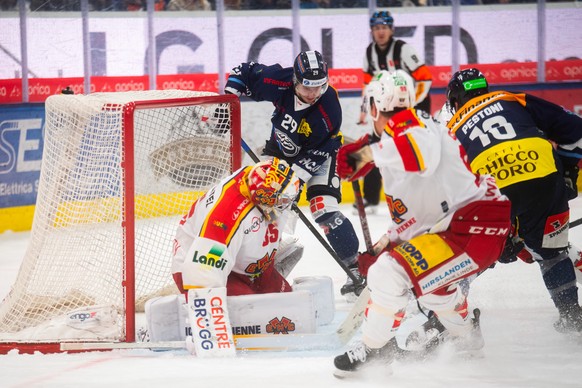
{"points": [[74, 264]]}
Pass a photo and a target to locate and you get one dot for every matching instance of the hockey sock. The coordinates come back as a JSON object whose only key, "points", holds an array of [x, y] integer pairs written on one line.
{"points": [[560, 280], [341, 235]]}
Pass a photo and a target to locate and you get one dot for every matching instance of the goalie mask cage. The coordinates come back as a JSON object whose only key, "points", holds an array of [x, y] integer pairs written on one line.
{"points": [[119, 170]]}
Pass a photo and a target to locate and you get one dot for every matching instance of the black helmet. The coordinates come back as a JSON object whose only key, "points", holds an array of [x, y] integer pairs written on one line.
{"points": [[310, 70], [381, 17], [465, 85]]}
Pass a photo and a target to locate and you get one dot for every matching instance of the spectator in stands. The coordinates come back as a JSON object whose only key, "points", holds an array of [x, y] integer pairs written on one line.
{"points": [[8, 5], [188, 5]]}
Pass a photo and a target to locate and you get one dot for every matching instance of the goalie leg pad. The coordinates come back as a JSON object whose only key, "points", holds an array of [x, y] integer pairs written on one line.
{"points": [[209, 319], [165, 318], [273, 313], [322, 289]]}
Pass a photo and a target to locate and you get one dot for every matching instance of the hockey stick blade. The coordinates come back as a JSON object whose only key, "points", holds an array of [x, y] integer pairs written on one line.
{"points": [[355, 317], [245, 343]]}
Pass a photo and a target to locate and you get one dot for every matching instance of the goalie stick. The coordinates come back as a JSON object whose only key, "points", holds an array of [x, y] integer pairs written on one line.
{"points": [[308, 224]]}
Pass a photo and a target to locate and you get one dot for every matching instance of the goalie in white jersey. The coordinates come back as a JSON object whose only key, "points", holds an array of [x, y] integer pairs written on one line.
{"points": [[448, 223], [231, 235]]}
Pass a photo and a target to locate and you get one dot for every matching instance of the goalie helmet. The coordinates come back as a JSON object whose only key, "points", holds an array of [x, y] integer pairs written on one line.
{"points": [[390, 92], [465, 85], [381, 18], [273, 186]]}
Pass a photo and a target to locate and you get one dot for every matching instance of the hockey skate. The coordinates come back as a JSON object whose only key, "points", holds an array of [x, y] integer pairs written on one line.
{"points": [[350, 289], [362, 357], [471, 344], [423, 342], [570, 321]]}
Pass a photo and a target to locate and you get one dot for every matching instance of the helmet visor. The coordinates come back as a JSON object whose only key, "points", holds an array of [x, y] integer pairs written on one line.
{"points": [[310, 94]]}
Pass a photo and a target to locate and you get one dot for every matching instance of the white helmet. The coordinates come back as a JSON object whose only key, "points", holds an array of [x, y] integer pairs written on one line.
{"points": [[390, 91]]}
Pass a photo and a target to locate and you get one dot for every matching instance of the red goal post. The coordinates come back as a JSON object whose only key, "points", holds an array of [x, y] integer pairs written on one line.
{"points": [[119, 170]]}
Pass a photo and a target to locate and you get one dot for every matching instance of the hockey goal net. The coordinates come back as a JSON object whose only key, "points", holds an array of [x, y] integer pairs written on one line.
{"points": [[119, 170]]}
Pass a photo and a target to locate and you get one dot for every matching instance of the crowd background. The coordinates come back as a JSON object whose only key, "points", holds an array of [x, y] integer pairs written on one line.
{"points": [[209, 5]]}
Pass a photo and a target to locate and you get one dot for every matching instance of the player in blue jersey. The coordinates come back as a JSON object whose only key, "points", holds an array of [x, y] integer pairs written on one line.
{"points": [[532, 147], [306, 134]]}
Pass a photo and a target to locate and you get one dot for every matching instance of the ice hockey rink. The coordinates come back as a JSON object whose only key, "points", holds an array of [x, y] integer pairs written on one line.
{"points": [[521, 347]]}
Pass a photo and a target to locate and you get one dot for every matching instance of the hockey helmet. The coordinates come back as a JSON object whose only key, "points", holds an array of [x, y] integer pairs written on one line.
{"points": [[310, 70], [465, 85], [273, 186], [381, 18], [391, 92]]}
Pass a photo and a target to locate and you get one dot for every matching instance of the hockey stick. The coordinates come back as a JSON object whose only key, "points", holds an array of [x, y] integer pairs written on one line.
{"points": [[362, 216], [307, 223], [255, 342], [575, 223]]}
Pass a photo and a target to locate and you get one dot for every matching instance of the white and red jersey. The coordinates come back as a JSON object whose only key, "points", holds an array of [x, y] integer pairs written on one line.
{"points": [[223, 232], [425, 175]]}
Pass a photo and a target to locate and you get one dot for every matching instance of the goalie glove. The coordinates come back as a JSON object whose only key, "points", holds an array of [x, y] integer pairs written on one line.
{"points": [[354, 160]]}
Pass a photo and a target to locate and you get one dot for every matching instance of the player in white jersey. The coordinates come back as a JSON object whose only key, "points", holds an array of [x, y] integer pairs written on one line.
{"points": [[448, 223], [231, 234]]}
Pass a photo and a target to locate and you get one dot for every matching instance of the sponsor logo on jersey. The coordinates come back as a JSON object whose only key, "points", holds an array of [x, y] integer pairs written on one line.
{"points": [[276, 82], [304, 128], [280, 326], [255, 225], [453, 270], [320, 153], [516, 161], [237, 212], [287, 146], [210, 196], [424, 252], [219, 224], [212, 258]]}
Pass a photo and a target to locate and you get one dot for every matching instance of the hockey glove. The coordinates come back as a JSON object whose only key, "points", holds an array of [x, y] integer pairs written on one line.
{"points": [[513, 246], [355, 160], [366, 259], [570, 177]]}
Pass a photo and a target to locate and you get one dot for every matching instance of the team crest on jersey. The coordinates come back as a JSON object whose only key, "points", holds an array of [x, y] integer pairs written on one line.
{"points": [[280, 326], [255, 269], [304, 128], [287, 146], [397, 209]]}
